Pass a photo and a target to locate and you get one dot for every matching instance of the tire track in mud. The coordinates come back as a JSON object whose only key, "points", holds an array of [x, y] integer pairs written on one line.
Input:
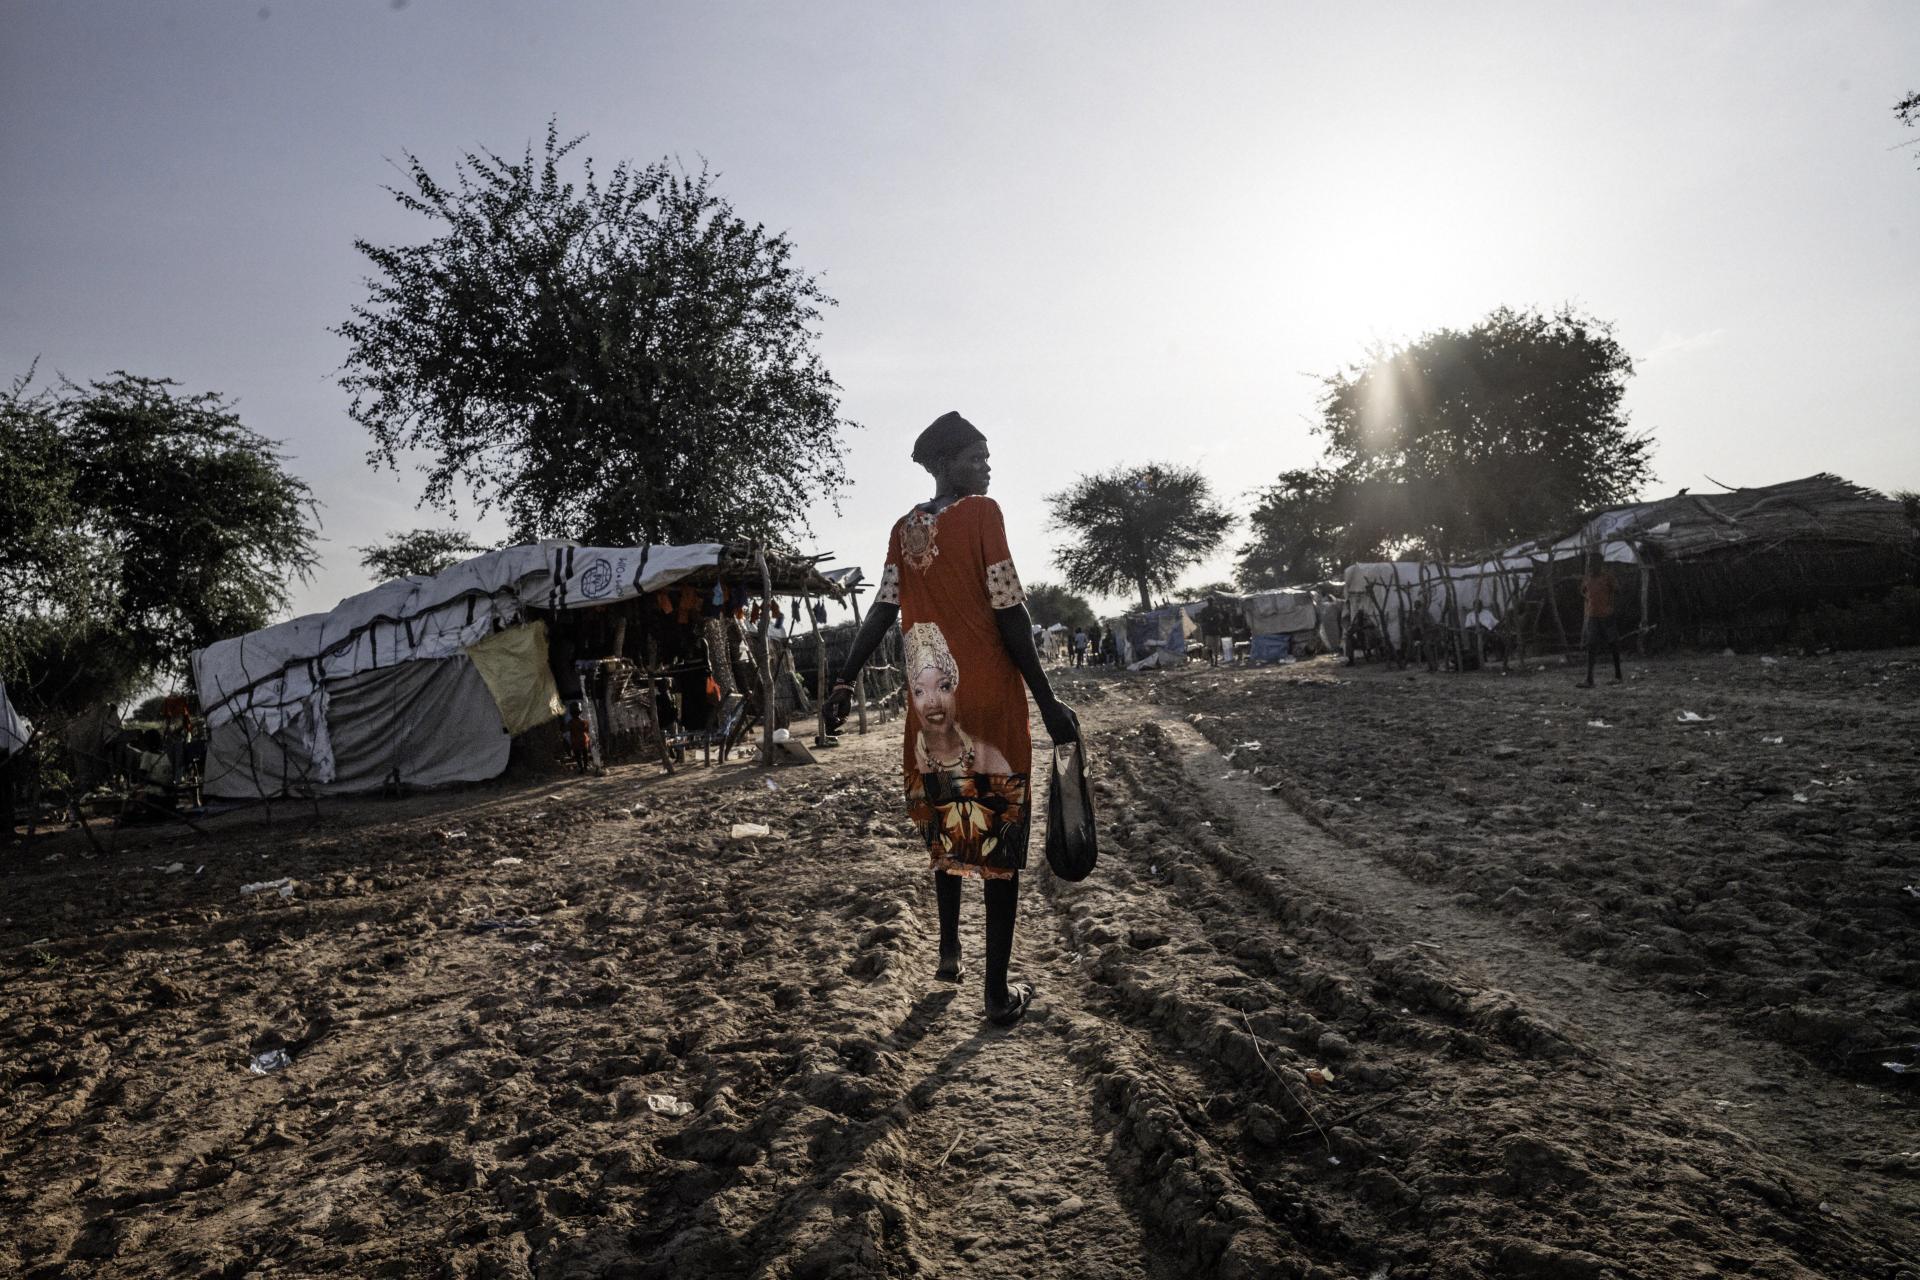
{"points": [[1464, 1133]]}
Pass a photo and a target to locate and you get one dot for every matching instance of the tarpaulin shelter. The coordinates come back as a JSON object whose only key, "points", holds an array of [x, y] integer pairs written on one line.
{"points": [[1162, 634], [14, 728], [1692, 568], [423, 681], [1732, 567]]}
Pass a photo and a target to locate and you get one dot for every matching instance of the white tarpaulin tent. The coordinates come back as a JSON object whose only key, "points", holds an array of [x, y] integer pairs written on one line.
{"points": [[1272, 613], [14, 729], [381, 687]]}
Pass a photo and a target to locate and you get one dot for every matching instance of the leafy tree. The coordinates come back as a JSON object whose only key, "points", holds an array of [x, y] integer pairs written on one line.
{"points": [[177, 526], [1474, 439], [1201, 591], [42, 551], [1907, 110], [1137, 527], [417, 552], [624, 360], [1298, 532], [1050, 604]]}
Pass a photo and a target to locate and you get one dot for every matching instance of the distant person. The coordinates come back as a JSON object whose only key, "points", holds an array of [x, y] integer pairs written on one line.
{"points": [[1597, 588], [1080, 646], [950, 583]]}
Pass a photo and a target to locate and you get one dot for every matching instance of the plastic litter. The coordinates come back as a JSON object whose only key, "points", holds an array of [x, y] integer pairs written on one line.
{"points": [[1799, 797], [283, 886], [508, 861], [1778, 740], [1598, 724], [267, 1063], [747, 830], [1694, 717], [666, 1104], [1915, 891], [172, 870], [771, 784], [1898, 1068], [1319, 1075], [1769, 662], [781, 735]]}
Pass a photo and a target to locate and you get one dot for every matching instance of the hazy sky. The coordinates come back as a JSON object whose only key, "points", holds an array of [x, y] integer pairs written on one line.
{"points": [[1107, 233]]}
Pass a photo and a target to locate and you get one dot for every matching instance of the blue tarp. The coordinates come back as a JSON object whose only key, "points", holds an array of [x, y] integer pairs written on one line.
{"points": [[1271, 648]]}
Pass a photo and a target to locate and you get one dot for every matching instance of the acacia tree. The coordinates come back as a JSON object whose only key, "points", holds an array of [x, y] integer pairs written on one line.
{"points": [[617, 361], [164, 524], [1136, 527], [417, 553]]}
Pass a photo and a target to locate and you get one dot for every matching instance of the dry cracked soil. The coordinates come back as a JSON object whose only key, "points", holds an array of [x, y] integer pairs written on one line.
{"points": [[1382, 975]]}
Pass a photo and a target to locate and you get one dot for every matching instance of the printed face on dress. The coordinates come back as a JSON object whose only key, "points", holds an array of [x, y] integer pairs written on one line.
{"points": [[967, 472], [933, 698]]}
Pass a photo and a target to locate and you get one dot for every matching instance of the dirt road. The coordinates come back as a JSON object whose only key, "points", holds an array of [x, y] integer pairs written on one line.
{"points": [[1367, 1000]]}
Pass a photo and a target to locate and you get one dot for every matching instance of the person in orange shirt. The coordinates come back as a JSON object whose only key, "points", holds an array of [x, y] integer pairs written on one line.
{"points": [[1597, 588], [967, 755]]}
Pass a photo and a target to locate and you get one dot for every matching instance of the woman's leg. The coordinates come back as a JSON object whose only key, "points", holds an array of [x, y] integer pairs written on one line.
{"points": [[1004, 1003], [946, 894]]}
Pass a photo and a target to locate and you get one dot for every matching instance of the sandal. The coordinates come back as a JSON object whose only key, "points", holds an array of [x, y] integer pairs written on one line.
{"points": [[1019, 996]]}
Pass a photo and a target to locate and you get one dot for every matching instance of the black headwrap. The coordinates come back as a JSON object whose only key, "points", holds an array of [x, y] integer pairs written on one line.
{"points": [[949, 434]]}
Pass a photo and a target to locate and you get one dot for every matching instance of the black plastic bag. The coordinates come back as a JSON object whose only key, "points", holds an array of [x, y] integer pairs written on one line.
{"points": [[1072, 847]]}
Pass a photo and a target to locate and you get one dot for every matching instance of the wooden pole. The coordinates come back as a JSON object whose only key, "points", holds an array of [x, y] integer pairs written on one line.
{"points": [[820, 679], [1553, 601], [767, 700], [860, 677], [1646, 586]]}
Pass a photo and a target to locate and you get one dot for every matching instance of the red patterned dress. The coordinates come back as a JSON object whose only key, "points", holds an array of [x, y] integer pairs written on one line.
{"points": [[967, 752]]}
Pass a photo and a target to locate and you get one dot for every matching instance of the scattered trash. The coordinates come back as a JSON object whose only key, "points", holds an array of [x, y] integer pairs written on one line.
{"points": [[781, 735], [1333, 1159], [666, 1104], [1898, 1068], [504, 922], [508, 861], [283, 886], [175, 869], [1799, 797], [1319, 1075], [1598, 724], [1911, 889], [1778, 740], [458, 833], [1769, 662], [747, 830], [771, 784], [269, 1062], [1694, 717]]}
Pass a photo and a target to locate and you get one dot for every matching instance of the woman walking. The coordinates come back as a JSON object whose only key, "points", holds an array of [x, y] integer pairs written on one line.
{"points": [[949, 581]]}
